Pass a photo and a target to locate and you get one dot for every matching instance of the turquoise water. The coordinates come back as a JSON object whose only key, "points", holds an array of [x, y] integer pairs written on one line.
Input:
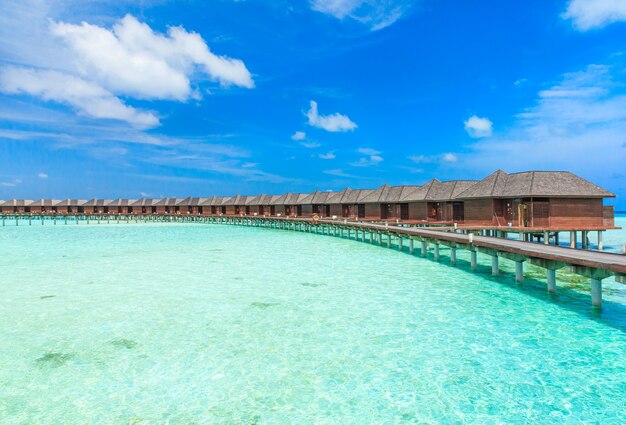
{"points": [[614, 240], [182, 324]]}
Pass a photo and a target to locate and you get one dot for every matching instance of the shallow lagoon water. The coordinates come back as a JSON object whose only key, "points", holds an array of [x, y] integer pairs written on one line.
{"points": [[182, 324]]}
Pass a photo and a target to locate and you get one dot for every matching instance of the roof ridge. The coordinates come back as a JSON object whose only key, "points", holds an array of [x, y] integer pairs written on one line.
{"points": [[431, 184], [495, 183], [532, 182]]}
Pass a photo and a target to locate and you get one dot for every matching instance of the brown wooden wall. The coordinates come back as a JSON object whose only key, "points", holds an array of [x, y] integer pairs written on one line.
{"points": [[418, 211], [608, 215], [335, 209], [566, 212], [372, 211], [479, 212]]}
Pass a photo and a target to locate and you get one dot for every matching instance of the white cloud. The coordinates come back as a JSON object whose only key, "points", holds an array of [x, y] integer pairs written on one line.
{"points": [[339, 173], [373, 158], [376, 14], [478, 127], [421, 159], [449, 157], [87, 97], [579, 125], [328, 155], [429, 159], [93, 66], [11, 183], [589, 14], [298, 135], [42, 175], [310, 145], [368, 151], [132, 59], [334, 123]]}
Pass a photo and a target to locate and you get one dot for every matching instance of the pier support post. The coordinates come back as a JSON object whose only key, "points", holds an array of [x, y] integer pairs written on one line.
{"points": [[551, 277], [546, 238], [596, 292], [473, 259], [388, 240], [600, 243], [452, 255], [495, 267], [371, 237], [399, 243], [380, 239], [519, 271], [436, 252], [572, 239], [411, 247], [424, 249]]}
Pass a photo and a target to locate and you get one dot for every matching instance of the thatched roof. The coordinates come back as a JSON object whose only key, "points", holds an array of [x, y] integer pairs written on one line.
{"points": [[97, 202], [167, 202], [336, 197], [308, 199], [279, 199], [260, 200], [374, 195], [120, 202], [70, 203], [321, 197], [295, 198], [144, 202], [44, 203], [351, 196], [446, 191], [528, 184], [215, 201], [191, 202], [16, 203]]}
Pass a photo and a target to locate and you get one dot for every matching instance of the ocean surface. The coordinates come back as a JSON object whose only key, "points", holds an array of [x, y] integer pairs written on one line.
{"points": [[204, 324]]}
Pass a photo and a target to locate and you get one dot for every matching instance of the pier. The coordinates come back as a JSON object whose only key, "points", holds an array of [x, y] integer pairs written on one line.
{"points": [[594, 265]]}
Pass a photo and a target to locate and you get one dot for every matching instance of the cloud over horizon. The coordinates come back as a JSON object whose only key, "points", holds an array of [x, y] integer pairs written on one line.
{"points": [[578, 124]]}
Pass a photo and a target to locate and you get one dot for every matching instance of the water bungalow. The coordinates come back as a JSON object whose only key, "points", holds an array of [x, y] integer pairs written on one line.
{"points": [[70, 206], [96, 206], [15, 206], [532, 201], [167, 206], [144, 206]]}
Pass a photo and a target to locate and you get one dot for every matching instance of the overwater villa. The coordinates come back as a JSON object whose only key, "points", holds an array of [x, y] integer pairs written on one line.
{"points": [[539, 200]]}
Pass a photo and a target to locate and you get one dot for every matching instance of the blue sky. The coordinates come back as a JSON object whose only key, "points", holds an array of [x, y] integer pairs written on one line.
{"points": [[178, 98]]}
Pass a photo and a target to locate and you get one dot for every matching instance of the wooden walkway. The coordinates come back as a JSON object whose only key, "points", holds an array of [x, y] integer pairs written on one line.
{"points": [[610, 262]]}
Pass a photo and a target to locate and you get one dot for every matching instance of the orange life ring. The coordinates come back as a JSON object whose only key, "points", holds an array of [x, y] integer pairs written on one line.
{"points": [[316, 218]]}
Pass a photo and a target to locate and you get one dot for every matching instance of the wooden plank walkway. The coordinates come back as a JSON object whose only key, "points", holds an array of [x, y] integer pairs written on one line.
{"points": [[612, 262]]}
